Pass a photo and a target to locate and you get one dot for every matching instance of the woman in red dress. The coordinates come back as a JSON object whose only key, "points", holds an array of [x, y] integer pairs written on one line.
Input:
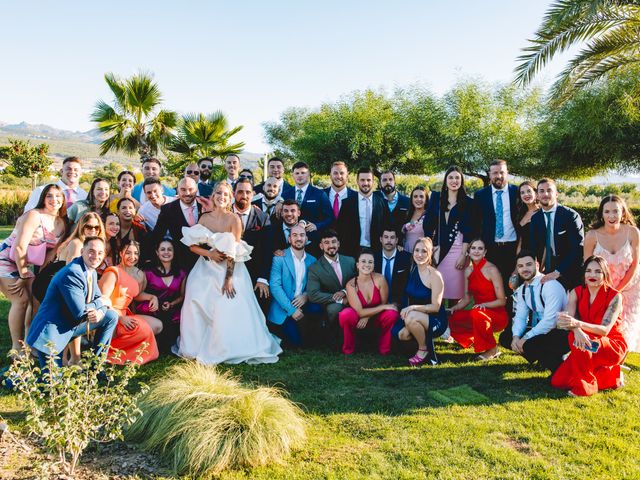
{"points": [[483, 284], [597, 345], [122, 284]]}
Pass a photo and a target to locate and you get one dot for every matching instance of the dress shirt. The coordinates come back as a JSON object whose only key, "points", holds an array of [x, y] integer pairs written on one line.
{"points": [[508, 228], [365, 203], [393, 202], [301, 271], [342, 194], [232, 182], [265, 206], [337, 263], [78, 193], [150, 213], [304, 191], [244, 216], [386, 260], [550, 299], [553, 220], [185, 210]]}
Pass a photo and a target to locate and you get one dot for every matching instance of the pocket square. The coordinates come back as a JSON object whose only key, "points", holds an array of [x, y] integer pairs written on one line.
{"points": [[562, 232], [309, 201]]}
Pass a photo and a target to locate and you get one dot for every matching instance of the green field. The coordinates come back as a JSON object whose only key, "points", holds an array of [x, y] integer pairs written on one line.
{"points": [[373, 417]]}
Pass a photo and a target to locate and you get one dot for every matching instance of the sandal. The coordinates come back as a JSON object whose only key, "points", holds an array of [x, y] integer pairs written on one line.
{"points": [[484, 358], [417, 360]]}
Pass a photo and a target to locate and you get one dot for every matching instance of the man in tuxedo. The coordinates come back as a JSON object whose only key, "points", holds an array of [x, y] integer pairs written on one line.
{"points": [[338, 191], [184, 212], [275, 168], [151, 167], [496, 213], [290, 308], [326, 283], [557, 238], [205, 186], [393, 264], [72, 306], [534, 334], [397, 204], [255, 232], [232, 167], [362, 217], [268, 200]]}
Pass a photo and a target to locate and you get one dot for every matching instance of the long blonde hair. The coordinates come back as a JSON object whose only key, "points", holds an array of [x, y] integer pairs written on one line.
{"points": [[78, 231], [224, 184]]}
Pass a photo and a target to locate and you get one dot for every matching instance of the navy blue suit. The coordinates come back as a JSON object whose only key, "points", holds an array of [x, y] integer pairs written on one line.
{"points": [[205, 189], [568, 238], [399, 275], [400, 213], [315, 207], [443, 231], [350, 194], [62, 314]]}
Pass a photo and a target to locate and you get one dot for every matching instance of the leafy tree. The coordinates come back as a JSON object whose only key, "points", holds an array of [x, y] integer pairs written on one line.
{"points": [[134, 124], [109, 172], [199, 135], [28, 160], [611, 29]]}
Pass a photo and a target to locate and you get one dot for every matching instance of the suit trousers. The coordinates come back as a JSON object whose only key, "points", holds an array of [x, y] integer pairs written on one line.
{"points": [[546, 349], [503, 256]]}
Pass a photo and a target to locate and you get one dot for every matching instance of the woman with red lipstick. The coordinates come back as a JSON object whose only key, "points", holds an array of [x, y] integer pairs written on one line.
{"points": [[596, 342], [526, 206], [614, 237]]}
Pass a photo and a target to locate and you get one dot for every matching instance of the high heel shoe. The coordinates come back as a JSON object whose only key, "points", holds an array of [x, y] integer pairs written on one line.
{"points": [[417, 360]]}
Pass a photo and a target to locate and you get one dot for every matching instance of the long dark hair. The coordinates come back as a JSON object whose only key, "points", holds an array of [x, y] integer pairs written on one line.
{"points": [[627, 216], [604, 266], [155, 264], [103, 209], [461, 196], [521, 207], [412, 209], [62, 212]]}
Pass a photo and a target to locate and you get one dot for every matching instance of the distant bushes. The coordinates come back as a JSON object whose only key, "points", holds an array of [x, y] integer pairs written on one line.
{"points": [[12, 204]]}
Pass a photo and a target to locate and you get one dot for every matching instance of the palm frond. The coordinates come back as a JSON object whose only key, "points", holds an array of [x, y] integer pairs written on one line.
{"points": [[117, 87]]}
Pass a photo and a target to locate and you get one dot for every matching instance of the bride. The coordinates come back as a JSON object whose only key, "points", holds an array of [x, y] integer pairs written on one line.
{"points": [[221, 320]]}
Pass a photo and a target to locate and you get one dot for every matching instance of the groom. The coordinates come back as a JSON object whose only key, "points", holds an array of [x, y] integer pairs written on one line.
{"points": [[72, 305]]}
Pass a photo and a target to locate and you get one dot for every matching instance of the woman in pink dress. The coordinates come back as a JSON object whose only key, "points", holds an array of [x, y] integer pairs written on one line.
{"points": [[614, 237], [413, 229]]}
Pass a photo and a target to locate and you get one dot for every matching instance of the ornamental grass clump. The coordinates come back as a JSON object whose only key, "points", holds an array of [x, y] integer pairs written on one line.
{"points": [[205, 421]]}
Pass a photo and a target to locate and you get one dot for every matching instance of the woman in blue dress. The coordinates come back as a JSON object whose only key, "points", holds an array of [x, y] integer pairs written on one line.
{"points": [[423, 317]]}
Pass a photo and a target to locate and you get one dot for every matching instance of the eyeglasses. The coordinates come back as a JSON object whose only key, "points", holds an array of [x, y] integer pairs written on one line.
{"points": [[193, 172], [92, 227]]}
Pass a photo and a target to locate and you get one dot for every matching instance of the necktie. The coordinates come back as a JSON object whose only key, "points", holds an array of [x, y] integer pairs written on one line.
{"points": [[387, 270], [336, 206], [534, 314], [367, 219], [547, 243], [68, 197], [191, 217], [269, 208], [499, 213], [287, 232], [299, 197], [89, 287], [336, 268]]}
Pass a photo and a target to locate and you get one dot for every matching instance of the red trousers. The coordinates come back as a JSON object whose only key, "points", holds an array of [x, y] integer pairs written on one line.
{"points": [[584, 373], [475, 327], [348, 319]]}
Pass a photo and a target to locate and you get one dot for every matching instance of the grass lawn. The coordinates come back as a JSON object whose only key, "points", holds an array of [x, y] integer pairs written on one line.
{"points": [[374, 417]]}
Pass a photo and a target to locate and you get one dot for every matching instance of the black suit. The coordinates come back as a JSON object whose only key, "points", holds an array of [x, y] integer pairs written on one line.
{"points": [[348, 224], [400, 213], [172, 218], [350, 193], [568, 242], [256, 234], [287, 189], [399, 275]]}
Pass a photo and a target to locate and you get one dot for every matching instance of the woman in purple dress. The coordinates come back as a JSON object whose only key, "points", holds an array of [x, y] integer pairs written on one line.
{"points": [[166, 282]]}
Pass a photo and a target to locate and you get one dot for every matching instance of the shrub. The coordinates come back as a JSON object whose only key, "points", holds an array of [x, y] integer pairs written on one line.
{"points": [[68, 407], [205, 421], [12, 204]]}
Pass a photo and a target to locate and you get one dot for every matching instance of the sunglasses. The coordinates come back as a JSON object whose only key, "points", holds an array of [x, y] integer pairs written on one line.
{"points": [[205, 166], [193, 172], [92, 227], [250, 177]]}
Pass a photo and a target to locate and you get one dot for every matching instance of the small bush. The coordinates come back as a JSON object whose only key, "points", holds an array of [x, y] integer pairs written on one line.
{"points": [[206, 422]]}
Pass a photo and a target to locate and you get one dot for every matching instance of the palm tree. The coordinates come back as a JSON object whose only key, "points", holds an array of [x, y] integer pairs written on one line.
{"points": [[134, 124], [610, 28], [201, 135]]}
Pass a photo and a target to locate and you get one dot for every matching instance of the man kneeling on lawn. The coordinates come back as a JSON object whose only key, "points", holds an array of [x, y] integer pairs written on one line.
{"points": [[73, 306]]}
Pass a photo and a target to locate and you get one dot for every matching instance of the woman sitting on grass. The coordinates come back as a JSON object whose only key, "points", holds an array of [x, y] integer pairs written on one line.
{"points": [[367, 294], [483, 285], [597, 345]]}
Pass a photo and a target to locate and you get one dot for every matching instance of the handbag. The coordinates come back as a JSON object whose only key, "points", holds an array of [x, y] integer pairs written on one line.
{"points": [[35, 253]]}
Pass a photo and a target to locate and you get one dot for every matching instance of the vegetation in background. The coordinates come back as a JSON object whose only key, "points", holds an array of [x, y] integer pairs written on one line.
{"points": [[26, 160]]}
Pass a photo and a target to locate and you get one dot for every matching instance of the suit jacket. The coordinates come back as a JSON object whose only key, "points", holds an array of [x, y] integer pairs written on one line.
{"points": [[443, 232], [348, 225], [258, 203], [172, 219], [350, 194], [485, 213], [64, 307], [205, 189], [256, 234], [568, 238], [287, 190], [400, 213], [399, 275], [283, 286], [315, 207], [322, 281]]}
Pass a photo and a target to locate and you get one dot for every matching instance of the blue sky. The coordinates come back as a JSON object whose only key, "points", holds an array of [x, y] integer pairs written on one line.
{"points": [[250, 59]]}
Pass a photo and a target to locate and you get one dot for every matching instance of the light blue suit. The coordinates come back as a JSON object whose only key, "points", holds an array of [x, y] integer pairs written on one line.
{"points": [[61, 316], [282, 284]]}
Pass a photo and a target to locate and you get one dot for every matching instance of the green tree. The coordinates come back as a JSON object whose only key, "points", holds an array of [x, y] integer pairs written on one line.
{"points": [[109, 172], [135, 123], [610, 28], [28, 160], [199, 135]]}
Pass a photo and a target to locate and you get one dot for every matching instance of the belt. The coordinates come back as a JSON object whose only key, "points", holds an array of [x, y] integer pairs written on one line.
{"points": [[503, 244]]}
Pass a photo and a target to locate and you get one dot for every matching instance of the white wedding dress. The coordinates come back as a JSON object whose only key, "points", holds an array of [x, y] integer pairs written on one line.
{"points": [[217, 329]]}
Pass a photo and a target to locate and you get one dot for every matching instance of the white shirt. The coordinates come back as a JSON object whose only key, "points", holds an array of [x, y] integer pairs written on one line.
{"points": [[150, 213], [550, 299], [185, 210], [78, 194], [301, 271], [508, 228], [244, 216], [342, 194], [365, 203], [304, 191], [553, 221], [231, 182], [385, 260]]}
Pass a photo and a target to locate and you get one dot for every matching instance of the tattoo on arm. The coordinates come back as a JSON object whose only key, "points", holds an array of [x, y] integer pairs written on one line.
{"points": [[612, 310], [230, 266]]}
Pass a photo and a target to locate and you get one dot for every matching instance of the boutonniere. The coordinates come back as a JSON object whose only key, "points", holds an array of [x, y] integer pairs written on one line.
{"points": [[256, 228]]}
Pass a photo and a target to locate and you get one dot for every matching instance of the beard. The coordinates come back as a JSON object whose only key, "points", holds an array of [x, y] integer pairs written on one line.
{"points": [[388, 189]]}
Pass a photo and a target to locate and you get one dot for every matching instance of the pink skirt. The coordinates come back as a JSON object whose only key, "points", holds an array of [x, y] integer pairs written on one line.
{"points": [[452, 277]]}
